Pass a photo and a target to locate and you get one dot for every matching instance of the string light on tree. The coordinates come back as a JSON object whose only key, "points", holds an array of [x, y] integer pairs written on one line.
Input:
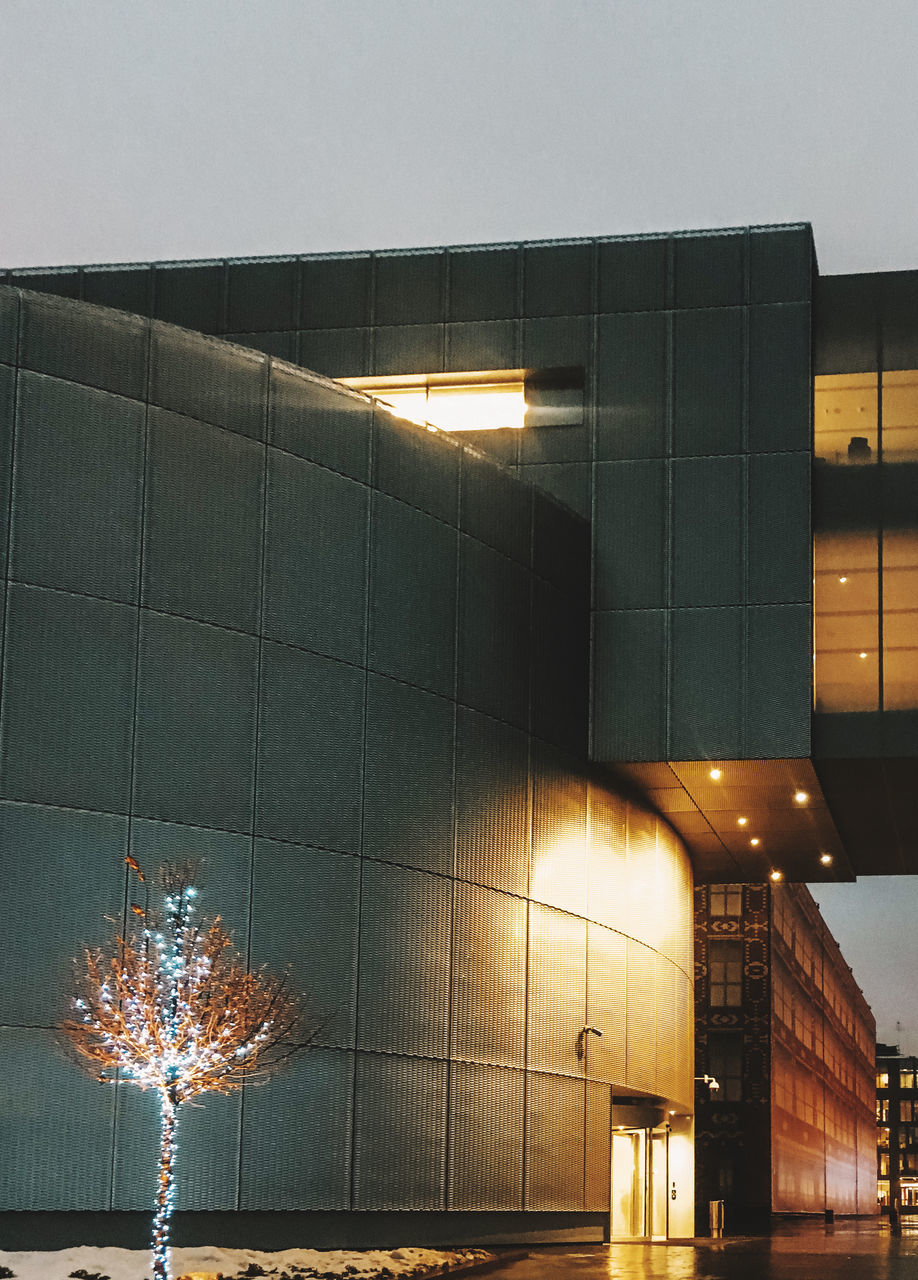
{"points": [[172, 1008]]}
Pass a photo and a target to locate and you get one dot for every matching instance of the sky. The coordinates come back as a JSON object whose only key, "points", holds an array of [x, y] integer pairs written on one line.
{"points": [[208, 128]]}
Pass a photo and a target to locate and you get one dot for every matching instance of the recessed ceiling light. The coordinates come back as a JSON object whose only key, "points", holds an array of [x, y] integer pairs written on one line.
{"points": [[825, 859], [777, 875], [715, 774], [862, 654], [801, 797], [755, 841], [843, 581], [741, 822]]}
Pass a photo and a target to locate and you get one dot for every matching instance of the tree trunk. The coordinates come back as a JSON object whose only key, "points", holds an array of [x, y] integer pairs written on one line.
{"points": [[165, 1189]]}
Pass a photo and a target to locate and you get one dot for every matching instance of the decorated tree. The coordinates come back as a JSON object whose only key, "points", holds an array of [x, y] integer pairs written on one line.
{"points": [[172, 1008]]}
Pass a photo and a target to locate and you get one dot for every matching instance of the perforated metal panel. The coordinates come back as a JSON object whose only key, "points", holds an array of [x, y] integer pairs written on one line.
{"points": [[418, 467], [494, 638], [408, 794], [409, 348], [335, 292], [55, 1127], [631, 408], [496, 509], [400, 1133], [666, 977], [488, 1016], [558, 868], [208, 380], [780, 552], [9, 324], [204, 501], [320, 424], [708, 554], [554, 1142], [607, 1004], [304, 916], [597, 1161], [67, 699], [486, 1138], [223, 861], [404, 961], [780, 384], [490, 344], [72, 341], [708, 382], [708, 269], [47, 919], [310, 749], [557, 989], [557, 279], [296, 1136], [492, 789], [641, 1017], [629, 691], [629, 552], [707, 683], [207, 1165], [195, 736], [316, 565], [412, 614], [607, 851], [409, 287]]}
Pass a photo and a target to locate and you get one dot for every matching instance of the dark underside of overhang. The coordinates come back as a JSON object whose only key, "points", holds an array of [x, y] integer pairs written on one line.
{"points": [[859, 816]]}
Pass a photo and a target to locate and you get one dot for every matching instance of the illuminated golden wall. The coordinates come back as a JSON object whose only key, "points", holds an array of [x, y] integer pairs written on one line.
{"points": [[823, 1123]]}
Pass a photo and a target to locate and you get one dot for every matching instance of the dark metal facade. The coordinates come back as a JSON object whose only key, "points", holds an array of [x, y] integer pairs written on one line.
{"points": [[344, 663]]}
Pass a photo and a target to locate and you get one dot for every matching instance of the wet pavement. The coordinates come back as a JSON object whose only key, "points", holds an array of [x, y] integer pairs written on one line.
{"points": [[857, 1250]]}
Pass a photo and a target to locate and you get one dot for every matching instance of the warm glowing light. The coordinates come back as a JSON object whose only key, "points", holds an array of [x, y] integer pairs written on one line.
{"points": [[715, 774], [862, 654], [801, 797], [755, 841], [477, 404], [843, 580], [777, 875], [741, 822], [825, 859]]}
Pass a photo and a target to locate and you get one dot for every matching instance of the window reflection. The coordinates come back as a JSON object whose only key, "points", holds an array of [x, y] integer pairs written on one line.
{"points": [[845, 418], [846, 603], [900, 415]]}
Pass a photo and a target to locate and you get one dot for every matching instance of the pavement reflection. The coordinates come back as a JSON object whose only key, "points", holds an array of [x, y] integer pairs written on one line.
{"points": [[856, 1250]]}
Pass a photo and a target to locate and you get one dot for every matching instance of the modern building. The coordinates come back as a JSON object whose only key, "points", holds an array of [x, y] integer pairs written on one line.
{"points": [[782, 1026], [455, 720], [897, 1129]]}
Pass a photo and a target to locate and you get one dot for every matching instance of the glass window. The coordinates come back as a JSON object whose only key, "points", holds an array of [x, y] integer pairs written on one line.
{"points": [[725, 973], [725, 1064], [882, 1079], [846, 603], [726, 899], [906, 1079], [845, 419], [900, 415]]}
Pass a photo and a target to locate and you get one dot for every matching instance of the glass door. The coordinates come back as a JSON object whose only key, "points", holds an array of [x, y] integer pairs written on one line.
{"points": [[659, 1184], [629, 1184]]}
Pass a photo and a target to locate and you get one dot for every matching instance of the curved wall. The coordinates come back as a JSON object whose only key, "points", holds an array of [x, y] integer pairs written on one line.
{"points": [[344, 662]]}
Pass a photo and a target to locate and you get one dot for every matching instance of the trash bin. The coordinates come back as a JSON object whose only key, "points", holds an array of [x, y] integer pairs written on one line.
{"points": [[716, 1218]]}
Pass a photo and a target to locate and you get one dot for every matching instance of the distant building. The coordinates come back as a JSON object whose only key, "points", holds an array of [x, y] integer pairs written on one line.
{"points": [[784, 1029], [897, 1129]]}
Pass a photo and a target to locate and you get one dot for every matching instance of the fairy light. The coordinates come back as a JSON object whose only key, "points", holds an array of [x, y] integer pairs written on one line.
{"points": [[173, 1009]]}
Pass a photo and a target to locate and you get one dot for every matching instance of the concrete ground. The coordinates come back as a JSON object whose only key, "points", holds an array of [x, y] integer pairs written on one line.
{"points": [[856, 1250]]}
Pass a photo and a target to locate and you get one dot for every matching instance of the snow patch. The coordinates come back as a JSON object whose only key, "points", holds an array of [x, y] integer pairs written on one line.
{"points": [[299, 1264]]}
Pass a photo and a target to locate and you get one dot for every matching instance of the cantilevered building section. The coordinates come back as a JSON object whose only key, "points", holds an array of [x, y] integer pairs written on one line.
{"points": [[460, 713]]}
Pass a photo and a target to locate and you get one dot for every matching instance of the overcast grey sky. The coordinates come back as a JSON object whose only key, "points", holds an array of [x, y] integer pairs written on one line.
{"points": [[186, 128], [204, 128]]}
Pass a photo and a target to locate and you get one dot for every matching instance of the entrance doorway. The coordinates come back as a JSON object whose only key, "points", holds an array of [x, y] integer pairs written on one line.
{"points": [[640, 1178]]}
